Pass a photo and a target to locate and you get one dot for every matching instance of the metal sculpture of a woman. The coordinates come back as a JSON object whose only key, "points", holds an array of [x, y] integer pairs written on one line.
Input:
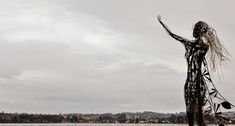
{"points": [[199, 90]]}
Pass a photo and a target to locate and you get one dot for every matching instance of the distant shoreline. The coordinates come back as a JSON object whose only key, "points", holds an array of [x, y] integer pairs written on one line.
{"points": [[146, 117]]}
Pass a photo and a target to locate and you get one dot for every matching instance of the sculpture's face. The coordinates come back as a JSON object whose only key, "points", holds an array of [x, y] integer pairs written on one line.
{"points": [[200, 29]]}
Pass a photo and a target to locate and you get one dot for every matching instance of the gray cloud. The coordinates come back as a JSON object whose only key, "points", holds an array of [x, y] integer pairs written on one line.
{"points": [[106, 56]]}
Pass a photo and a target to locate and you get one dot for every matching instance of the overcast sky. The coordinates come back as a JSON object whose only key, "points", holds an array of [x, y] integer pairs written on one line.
{"points": [[97, 56]]}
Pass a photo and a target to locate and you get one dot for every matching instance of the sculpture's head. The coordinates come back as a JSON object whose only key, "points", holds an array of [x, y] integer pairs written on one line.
{"points": [[217, 52], [200, 29]]}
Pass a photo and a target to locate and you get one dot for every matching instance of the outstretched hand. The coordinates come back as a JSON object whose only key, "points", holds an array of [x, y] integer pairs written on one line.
{"points": [[179, 38], [164, 26], [159, 18]]}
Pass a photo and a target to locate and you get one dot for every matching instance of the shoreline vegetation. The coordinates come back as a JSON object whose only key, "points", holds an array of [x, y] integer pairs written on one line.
{"points": [[146, 117]]}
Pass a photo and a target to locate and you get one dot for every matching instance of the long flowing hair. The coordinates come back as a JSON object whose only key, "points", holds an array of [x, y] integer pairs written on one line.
{"points": [[217, 52]]}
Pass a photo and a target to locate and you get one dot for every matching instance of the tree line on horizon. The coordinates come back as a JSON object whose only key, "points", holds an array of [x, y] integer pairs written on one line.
{"points": [[125, 117]]}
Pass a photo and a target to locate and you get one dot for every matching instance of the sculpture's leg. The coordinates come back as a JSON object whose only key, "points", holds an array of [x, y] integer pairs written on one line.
{"points": [[190, 116], [200, 118], [188, 102], [200, 98], [199, 114]]}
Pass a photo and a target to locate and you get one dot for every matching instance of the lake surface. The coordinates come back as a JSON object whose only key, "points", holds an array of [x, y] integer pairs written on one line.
{"points": [[71, 124]]}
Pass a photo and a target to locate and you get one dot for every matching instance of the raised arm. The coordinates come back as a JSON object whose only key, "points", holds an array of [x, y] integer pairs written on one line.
{"points": [[179, 38]]}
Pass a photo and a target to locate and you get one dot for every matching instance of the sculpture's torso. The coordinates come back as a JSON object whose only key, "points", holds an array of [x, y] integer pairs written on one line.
{"points": [[195, 84]]}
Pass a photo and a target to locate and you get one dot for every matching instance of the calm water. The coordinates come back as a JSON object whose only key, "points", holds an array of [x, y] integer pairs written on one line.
{"points": [[96, 125], [92, 124]]}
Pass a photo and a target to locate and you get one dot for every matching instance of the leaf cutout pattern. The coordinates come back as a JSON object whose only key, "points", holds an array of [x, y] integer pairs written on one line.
{"points": [[226, 105]]}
